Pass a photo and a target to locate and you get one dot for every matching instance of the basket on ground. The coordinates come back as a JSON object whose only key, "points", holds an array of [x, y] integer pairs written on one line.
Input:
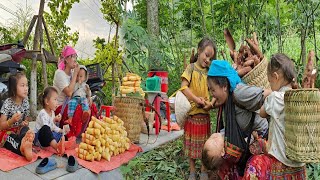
{"points": [[131, 111], [258, 75], [302, 125]]}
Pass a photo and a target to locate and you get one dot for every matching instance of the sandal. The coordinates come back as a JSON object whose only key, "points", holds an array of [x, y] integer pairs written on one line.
{"points": [[46, 165], [72, 165]]}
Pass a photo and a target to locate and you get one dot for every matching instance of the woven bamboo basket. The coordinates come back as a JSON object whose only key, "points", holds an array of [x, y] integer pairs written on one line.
{"points": [[302, 125], [258, 75], [130, 111]]}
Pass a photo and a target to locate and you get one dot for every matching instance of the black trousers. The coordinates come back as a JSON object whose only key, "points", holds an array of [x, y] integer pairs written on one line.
{"points": [[13, 141], [45, 136]]}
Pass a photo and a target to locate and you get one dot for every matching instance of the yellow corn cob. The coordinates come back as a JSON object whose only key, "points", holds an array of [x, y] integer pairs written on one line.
{"points": [[85, 146], [94, 124], [87, 141], [93, 131], [88, 136], [106, 155]]}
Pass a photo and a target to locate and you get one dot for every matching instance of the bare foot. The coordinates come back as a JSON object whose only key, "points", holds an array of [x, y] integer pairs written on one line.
{"points": [[61, 146], [26, 145]]}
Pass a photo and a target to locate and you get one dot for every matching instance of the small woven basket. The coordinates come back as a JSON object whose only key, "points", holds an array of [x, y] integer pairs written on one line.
{"points": [[302, 125], [130, 111], [258, 75]]}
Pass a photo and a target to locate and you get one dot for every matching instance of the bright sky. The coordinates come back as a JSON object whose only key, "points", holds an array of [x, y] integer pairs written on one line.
{"points": [[85, 17]]}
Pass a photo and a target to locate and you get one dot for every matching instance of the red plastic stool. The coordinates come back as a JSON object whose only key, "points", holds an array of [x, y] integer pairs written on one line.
{"points": [[108, 109]]}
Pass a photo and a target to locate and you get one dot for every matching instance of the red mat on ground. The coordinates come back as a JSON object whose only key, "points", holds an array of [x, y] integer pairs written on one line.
{"points": [[10, 160], [104, 165]]}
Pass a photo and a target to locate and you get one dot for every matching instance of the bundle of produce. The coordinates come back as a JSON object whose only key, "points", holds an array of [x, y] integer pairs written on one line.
{"points": [[103, 139], [249, 61], [131, 85], [310, 73]]}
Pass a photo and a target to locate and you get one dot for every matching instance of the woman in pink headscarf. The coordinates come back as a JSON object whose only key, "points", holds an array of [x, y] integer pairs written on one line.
{"points": [[64, 80]]}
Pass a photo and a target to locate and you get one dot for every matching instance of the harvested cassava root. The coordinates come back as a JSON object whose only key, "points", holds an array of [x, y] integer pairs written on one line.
{"points": [[103, 139], [247, 57], [310, 73]]}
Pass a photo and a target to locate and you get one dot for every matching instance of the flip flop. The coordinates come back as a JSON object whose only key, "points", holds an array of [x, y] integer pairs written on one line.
{"points": [[72, 165], [46, 165]]}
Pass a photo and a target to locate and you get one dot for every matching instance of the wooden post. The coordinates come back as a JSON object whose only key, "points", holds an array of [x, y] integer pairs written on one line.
{"points": [[33, 76], [43, 60]]}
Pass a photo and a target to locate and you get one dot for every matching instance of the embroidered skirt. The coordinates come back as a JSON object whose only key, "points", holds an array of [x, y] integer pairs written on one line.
{"points": [[267, 167], [196, 132]]}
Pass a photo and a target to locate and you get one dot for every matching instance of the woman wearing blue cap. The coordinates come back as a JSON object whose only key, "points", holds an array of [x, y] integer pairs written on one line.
{"points": [[239, 102]]}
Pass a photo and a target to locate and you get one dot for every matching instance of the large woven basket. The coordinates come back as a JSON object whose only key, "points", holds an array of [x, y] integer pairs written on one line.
{"points": [[130, 111], [258, 75], [302, 125]]}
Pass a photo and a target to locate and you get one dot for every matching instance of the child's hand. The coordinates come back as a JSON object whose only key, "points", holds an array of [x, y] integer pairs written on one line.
{"points": [[57, 118], [207, 106], [200, 101], [87, 88], [16, 117], [25, 123]]}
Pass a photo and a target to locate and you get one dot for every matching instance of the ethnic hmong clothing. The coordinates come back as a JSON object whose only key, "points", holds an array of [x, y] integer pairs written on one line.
{"points": [[5, 133], [281, 171], [267, 167], [196, 132], [197, 77]]}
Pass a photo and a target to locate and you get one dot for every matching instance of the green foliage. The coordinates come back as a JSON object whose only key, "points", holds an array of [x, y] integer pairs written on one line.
{"points": [[5, 36], [112, 10], [165, 162], [56, 20], [313, 171]]}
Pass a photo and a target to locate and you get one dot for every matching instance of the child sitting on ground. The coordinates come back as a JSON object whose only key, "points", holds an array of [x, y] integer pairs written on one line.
{"points": [[47, 133], [15, 134], [81, 95]]}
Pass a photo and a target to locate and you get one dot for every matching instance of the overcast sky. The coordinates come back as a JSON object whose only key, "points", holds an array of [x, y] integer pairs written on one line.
{"points": [[85, 17]]}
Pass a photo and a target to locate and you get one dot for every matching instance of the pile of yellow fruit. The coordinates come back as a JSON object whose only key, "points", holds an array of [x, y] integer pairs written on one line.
{"points": [[131, 84], [103, 138]]}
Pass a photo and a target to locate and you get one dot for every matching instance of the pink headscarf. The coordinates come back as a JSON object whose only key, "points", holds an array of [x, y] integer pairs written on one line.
{"points": [[66, 51]]}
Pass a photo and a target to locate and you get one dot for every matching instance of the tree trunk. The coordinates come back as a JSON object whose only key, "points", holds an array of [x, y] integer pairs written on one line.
{"points": [[212, 20], [33, 76], [303, 46], [279, 28], [314, 38], [153, 29], [204, 29]]}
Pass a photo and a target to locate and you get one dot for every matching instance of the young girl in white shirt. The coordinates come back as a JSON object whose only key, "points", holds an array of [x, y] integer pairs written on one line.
{"points": [[47, 133]]}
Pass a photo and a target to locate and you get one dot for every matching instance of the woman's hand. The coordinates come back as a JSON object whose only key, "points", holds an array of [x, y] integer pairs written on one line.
{"points": [[76, 69]]}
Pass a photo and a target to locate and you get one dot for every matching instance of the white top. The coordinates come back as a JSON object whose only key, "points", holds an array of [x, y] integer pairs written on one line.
{"points": [[44, 118], [61, 80], [274, 106], [80, 90]]}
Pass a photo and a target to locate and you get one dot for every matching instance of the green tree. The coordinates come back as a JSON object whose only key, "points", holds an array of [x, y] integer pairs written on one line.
{"points": [[56, 20]]}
